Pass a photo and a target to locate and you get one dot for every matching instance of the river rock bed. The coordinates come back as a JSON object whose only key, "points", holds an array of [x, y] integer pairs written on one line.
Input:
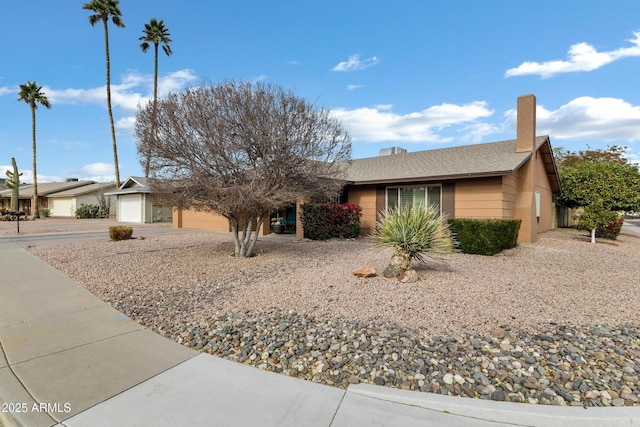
{"points": [[564, 365]]}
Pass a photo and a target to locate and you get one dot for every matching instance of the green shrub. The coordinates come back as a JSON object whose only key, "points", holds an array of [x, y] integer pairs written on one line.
{"points": [[120, 233], [6, 215], [90, 211], [607, 224], [484, 236], [322, 221], [46, 213]]}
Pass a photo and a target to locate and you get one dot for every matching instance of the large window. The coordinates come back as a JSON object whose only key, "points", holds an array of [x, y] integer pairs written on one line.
{"points": [[414, 196]]}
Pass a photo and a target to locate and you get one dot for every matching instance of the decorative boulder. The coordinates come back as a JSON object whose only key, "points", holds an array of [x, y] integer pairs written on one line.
{"points": [[364, 272], [400, 262], [408, 276]]}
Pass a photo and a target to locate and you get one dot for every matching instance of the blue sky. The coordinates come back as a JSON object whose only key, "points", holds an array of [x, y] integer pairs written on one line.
{"points": [[417, 74]]}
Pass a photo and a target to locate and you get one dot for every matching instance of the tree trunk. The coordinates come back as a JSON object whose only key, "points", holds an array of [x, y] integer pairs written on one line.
{"points": [[400, 262], [593, 235], [245, 245], [147, 154], [34, 205], [113, 127]]}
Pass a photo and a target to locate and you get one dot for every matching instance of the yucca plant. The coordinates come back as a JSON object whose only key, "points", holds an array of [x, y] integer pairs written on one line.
{"points": [[416, 233]]}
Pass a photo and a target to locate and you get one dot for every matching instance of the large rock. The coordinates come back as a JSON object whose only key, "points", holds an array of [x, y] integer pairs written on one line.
{"points": [[364, 272], [409, 276], [400, 262]]}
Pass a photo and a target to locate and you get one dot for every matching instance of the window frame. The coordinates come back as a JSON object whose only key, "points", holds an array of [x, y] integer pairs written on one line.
{"points": [[426, 193]]}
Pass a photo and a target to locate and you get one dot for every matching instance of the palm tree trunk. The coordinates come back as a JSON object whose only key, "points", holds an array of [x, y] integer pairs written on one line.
{"points": [[34, 204], [113, 128], [147, 162]]}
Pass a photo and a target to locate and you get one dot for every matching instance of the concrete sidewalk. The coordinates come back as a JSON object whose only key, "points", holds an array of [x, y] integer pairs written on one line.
{"points": [[69, 359]]}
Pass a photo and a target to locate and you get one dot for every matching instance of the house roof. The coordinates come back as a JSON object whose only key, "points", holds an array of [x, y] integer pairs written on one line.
{"points": [[467, 161], [85, 189], [132, 185], [46, 189]]}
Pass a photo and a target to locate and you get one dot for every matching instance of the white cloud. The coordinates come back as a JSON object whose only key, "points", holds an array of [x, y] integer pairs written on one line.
{"points": [[27, 175], [582, 57], [133, 89], [381, 124], [353, 87], [100, 172], [126, 124], [99, 168], [354, 63], [175, 81], [4, 90], [587, 118], [258, 79]]}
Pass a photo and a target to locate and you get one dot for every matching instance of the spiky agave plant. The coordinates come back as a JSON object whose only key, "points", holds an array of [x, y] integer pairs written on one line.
{"points": [[416, 233]]}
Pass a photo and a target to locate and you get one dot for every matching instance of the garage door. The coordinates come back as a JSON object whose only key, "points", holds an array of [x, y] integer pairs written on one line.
{"points": [[130, 208], [63, 206]]}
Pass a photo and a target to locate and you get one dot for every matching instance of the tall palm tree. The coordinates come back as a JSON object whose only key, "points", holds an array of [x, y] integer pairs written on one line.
{"points": [[154, 33], [105, 9], [32, 94]]}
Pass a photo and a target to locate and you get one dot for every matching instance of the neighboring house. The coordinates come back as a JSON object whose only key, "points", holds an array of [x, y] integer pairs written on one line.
{"points": [[45, 190], [506, 179], [134, 203], [64, 203]]}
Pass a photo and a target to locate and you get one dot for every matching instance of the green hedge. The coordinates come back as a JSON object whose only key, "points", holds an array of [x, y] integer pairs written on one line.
{"points": [[484, 236], [322, 221]]}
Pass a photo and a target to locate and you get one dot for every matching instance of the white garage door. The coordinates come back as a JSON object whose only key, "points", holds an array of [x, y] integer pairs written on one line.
{"points": [[130, 208], [62, 206]]}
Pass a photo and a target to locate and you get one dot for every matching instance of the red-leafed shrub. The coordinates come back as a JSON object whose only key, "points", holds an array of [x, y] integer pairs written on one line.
{"points": [[322, 221], [610, 231]]}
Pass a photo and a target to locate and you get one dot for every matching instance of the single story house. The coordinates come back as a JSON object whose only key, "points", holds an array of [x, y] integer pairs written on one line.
{"points": [[64, 203], [45, 191], [506, 179], [134, 203]]}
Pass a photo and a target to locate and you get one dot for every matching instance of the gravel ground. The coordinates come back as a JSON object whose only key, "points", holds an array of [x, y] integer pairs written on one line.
{"points": [[555, 322]]}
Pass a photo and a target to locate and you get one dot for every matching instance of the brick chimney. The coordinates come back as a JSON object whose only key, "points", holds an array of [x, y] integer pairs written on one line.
{"points": [[526, 125]]}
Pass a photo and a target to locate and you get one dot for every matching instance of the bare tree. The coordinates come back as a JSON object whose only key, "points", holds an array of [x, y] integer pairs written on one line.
{"points": [[241, 150]]}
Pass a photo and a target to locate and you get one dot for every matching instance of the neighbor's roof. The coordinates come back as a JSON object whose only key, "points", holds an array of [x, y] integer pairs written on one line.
{"points": [[45, 189], [466, 161], [85, 189], [132, 185]]}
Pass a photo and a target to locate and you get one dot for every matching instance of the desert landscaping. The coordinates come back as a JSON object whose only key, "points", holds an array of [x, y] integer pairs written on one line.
{"points": [[551, 322]]}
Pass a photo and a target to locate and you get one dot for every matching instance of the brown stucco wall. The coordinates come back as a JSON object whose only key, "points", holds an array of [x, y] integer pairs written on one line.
{"points": [[365, 197], [547, 209], [525, 205], [185, 218], [479, 198]]}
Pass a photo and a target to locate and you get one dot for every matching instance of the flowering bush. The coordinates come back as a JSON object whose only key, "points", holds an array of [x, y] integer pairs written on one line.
{"points": [[322, 221], [610, 231], [606, 223]]}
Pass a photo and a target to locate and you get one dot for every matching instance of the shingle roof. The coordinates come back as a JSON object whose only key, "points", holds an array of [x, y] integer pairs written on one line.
{"points": [[489, 159], [132, 185], [85, 189], [46, 188]]}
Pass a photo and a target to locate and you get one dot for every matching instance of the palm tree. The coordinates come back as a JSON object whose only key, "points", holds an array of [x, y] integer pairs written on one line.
{"points": [[154, 33], [32, 94], [105, 9]]}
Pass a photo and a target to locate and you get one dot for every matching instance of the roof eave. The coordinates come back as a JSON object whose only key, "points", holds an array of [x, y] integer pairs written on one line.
{"points": [[434, 178]]}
